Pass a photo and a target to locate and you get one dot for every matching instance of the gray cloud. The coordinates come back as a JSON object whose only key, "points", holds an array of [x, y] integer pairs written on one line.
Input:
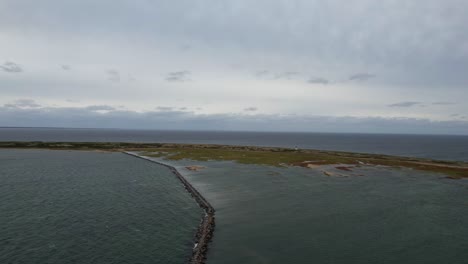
{"points": [[443, 103], [65, 67], [319, 81], [361, 77], [23, 103], [113, 76], [11, 67], [286, 75], [459, 116], [250, 109], [165, 108], [266, 74], [368, 34], [262, 73], [100, 108], [185, 47], [406, 104], [411, 103], [420, 56], [178, 76]]}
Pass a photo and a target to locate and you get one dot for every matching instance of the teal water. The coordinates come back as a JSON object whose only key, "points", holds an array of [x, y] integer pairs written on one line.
{"points": [[297, 215], [89, 207]]}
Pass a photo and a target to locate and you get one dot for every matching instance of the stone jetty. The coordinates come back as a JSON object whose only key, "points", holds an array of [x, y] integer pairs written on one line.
{"points": [[207, 225]]}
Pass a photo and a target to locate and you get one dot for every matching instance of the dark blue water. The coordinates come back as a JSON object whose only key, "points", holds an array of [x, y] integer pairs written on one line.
{"points": [[296, 215], [424, 146], [92, 208]]}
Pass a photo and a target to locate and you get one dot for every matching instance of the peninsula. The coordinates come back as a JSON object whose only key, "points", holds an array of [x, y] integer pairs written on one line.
{"points": [[271, 156]]}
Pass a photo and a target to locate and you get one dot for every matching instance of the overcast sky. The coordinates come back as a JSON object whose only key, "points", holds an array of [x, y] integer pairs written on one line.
{"points": [[286, 65]]}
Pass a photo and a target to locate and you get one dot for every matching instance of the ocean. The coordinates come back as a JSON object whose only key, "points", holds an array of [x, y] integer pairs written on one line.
{"points": [[62, 207], [422, 146], [297, 215], [98, 207]]}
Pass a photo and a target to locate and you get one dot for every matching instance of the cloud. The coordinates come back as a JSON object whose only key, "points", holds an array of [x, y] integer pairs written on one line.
{"points": [[366, 35], [319, 81], [459, 116], [361, 77], [406, 104], [98, 108], [113, 76], [410, 104], [23, 103], [443, 103], [261, 74], [316, 38], [250, 109], [185, 47], [11, 67], [286, 75], [266, 74], [165, 108], [178, 76], [65, 67]]}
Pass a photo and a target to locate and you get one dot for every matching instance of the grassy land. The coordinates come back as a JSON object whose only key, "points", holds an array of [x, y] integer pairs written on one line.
{"points": [[257, 155]]}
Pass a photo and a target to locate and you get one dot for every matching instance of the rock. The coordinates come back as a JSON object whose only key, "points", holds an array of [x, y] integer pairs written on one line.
{"points": [[195, 168], [344, 168]]}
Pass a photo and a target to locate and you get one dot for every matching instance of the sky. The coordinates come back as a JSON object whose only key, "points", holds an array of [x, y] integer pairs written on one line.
{"points": [[366, 66]]}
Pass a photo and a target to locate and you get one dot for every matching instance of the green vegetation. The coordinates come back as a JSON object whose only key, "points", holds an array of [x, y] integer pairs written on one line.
{"points": [[279, 157], [257, 155]]}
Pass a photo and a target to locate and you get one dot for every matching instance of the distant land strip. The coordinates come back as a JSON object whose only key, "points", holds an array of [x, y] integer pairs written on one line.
{"points": [[207, 225], [272, 156]]}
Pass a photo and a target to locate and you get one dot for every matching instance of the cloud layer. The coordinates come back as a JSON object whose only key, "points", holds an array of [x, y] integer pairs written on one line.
{"points": [[30, 113], [405, 104], [390, 59], [178, 76], [11, 67], [113, 76], [361, 77], [319, 80]]}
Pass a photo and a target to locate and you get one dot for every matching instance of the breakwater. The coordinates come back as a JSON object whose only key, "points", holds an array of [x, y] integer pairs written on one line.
{"points": [[207, 224]]}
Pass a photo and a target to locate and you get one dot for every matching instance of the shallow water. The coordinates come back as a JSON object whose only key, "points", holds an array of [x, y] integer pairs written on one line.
{"points": [[296, 215], [89, 207]]}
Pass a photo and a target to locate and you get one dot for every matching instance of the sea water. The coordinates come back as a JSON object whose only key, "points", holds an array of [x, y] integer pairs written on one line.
{"points": [[89, 207], [297, 215]]}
